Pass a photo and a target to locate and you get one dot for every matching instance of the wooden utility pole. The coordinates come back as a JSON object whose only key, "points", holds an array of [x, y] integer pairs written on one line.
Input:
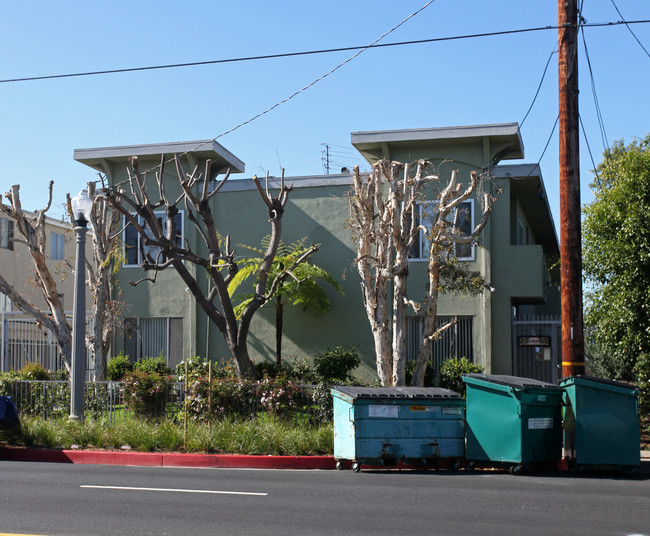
{"points": [[573, 359]]}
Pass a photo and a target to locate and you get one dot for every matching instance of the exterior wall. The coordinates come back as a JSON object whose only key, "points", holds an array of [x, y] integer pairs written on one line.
{"points": [[318, 211], [17, 266]]}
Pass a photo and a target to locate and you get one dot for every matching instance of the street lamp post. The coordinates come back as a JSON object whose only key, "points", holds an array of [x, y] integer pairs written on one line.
{"points": [[81, 207]]}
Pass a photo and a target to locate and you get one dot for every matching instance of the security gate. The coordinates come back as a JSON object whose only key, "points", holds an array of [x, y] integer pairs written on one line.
{"points": [[537, 347]]}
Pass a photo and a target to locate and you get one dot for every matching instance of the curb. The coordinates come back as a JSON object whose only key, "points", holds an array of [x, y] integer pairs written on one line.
{"points": [[164, 459], [223, 461]]}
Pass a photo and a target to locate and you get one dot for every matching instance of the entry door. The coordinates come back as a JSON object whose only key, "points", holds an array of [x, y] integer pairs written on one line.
{"points": [[536, 349]]}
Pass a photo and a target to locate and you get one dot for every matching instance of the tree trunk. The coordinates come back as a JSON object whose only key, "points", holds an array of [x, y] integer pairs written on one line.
{"points": [[429, 327], [279, 311], [399, 330]]}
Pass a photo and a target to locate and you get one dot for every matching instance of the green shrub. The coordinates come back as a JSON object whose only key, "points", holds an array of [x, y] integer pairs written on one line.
{"points": [[452, 370], [295, 369], [429, 373], [337, 364], [196, 367], [60, 375], [118, 367], [302, 371], [323, 411], [153, 364], [642, 373], [34, 371], [270, 369], [145, 392]]}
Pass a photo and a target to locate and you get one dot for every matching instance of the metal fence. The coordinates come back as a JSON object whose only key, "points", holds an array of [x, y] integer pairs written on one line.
{"points": [[109, 400], [24, 340]]}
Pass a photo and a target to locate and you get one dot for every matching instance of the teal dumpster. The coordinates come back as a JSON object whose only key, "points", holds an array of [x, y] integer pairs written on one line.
{"points": [[601, 424], [513, 421], [389, 425]]}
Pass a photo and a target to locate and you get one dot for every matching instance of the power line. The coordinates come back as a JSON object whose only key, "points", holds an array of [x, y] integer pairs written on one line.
{"points": [[584, 133], [630, 29], [309, 52], [599, 114], [295, 93], [538, 87]]}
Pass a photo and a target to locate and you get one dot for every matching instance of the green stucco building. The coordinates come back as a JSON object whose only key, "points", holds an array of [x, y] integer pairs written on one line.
{"points": [[517, 254]]}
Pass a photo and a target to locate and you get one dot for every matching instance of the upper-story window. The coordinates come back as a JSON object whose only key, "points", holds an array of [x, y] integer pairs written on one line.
{"points": [[462, 217], [6, 234], [57, 242], [134, 248]]}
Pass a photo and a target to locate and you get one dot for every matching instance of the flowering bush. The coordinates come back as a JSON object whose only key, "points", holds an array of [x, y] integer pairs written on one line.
{"points": [[279, 395], [225, 397], [144, 392], [228, 397]]}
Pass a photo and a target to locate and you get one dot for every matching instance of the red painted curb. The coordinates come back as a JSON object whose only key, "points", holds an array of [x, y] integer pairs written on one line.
{"points": [[157, 459]]}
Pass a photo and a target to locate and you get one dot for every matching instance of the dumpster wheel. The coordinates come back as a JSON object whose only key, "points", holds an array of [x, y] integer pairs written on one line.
{"points": [[339, 465], [516, 469], [356, 467]]}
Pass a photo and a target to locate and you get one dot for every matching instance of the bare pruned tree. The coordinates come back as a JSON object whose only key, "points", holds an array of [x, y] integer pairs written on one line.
{"points": [[161, 249], [388, 214], [104, 223], [32, 232]]}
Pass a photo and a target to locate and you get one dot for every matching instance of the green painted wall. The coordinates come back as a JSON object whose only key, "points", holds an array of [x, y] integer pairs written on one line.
{"points": [[318, 209]]}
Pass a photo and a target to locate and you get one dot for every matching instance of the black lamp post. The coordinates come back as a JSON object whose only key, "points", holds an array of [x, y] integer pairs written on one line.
{"points": [[81, 207]]}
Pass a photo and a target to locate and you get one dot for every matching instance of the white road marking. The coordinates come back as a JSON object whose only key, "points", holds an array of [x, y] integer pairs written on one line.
{"points": [[214, 492]]}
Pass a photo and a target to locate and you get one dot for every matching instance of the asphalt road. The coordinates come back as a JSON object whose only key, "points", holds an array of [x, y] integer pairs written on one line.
{"points": [[57, 499]]}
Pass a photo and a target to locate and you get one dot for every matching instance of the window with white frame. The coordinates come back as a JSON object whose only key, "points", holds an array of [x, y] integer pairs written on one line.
{"points": [[6, 234], [133, 246], [57, 243], [462, 217]]}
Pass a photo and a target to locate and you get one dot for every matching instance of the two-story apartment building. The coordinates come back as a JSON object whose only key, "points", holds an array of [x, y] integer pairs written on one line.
{"points": [[516, 252], [21, 339]]}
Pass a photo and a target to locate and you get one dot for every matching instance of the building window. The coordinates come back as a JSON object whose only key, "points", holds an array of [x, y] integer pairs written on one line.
{"points": [[6, 234], [57, 242], [457, 341], [153, 337], [135, 251], [463, 219]]}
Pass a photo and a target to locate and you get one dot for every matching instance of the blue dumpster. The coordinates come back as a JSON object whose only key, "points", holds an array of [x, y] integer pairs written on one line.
{"points": [[389, 425]]}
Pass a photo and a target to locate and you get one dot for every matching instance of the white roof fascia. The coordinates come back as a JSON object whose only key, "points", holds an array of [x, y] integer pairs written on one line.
{"points": [[438, 133], [179, 147]]}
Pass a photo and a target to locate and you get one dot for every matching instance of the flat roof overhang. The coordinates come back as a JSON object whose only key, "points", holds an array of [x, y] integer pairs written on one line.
{"points": [[102, 158], [527, 183], [504, 138]]}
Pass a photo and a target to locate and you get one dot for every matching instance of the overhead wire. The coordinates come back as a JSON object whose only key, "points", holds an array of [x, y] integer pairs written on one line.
{"points": [[591, 156], [538, 87], [630, 29], [311, 84], [310, 52], [599, 115]]}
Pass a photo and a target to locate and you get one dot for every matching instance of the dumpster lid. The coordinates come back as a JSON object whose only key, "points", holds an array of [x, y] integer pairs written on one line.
{"points": [[397, 393], [512, 381], [594, 379]]}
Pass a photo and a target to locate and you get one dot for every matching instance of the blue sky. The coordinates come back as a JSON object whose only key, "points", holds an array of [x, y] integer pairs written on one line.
{"points": [[464, 82]]}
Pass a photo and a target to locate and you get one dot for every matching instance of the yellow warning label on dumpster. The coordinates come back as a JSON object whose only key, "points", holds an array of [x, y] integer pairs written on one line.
{"points": [[418, 408]]}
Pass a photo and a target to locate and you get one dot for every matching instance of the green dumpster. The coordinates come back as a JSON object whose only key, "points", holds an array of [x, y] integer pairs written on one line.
{"points": [[601, 424], [391, 425], [514, 421]]}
